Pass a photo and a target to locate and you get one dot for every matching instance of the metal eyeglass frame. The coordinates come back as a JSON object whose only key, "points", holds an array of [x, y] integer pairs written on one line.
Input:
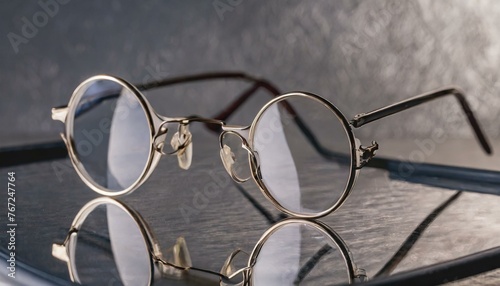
{"points": [[159, 266], [359, 157]]}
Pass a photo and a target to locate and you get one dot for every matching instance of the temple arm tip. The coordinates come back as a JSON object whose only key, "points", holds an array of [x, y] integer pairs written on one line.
{"points": [[487, 148]]}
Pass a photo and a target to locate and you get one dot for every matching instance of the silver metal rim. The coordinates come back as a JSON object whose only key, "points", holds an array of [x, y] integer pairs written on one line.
{"points": [[87, 179], [352, 142]]}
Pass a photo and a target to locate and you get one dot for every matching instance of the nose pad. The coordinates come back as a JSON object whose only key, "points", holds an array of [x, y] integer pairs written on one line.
{"points": [[182, 144], [229, 159], [179, 253], [233, 268]]}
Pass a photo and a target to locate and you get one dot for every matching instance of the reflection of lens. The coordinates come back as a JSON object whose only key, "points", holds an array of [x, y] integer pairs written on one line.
{"points": [[111, 249], [111, 134], [304, 152], [298, 253]]}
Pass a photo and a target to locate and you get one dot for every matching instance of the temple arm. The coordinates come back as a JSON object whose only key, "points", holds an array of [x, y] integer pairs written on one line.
{"points": [[445, 272], [363, 118], [209, 76], [233, 106]]}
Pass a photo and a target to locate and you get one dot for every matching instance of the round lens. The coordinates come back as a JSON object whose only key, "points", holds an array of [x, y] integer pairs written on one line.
{"points": [[298, 253], [304, 153], [111, 250], [111, 134]]}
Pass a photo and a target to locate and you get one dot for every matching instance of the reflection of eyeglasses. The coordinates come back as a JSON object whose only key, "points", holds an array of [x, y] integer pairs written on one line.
{"points": [[299, 252], [301, 149], [108, 242]]}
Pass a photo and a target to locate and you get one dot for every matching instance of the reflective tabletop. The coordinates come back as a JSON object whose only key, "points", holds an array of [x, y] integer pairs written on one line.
{"points": [[183, 226]]}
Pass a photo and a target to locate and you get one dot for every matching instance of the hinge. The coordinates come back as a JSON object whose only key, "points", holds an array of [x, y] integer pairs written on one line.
{"points": [[365, 154], [360, 275]]}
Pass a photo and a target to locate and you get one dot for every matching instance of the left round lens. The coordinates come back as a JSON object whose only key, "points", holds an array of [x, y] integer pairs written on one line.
{"points": [[111, 249], [298, 253], [111, 134]]}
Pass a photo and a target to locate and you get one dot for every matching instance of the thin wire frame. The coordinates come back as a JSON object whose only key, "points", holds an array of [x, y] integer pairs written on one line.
{"points": [[360, 156], [351, 267]]}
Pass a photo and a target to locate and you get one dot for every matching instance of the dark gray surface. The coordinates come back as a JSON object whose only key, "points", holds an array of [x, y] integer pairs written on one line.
{"points": [[375, 220], [359, 54]]}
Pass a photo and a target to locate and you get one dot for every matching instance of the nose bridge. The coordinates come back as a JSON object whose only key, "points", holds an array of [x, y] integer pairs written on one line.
{"points": [[181, 141], [229, 158], [241, 131]]}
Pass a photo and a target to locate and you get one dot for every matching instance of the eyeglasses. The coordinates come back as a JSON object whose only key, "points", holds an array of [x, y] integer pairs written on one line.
{"points": [[110, 243], [302, 152]]}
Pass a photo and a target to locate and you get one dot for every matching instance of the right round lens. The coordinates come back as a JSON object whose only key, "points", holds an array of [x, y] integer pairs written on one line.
{"points": [[298, 253], [111, 134], [111, 249], [304, 152]]}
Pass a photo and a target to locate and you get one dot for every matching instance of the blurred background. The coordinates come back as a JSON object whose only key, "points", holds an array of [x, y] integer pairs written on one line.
{"points": [[360, 55]]}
